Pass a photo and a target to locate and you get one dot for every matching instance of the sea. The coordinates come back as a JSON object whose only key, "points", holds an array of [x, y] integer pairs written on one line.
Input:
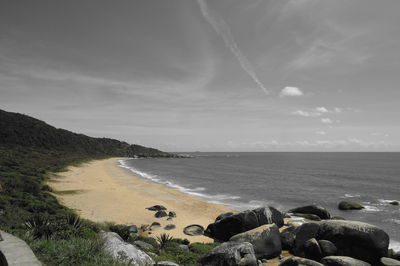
{"points": [[286, 180]]}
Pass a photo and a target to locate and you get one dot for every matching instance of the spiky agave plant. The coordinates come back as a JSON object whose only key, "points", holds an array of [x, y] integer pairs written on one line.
{"points": [[39, 227], [164, 239], [74, 221]]}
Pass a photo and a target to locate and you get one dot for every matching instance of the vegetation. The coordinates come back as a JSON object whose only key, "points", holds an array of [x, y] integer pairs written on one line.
{"points": [[30, 150]]}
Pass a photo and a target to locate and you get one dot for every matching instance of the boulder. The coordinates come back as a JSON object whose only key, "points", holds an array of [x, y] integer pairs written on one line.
{"points": [[155, 225], [172, 214], [327, 248], [288, 236], [184, 248], [312, 250], [133, 229], [166, 263], [297, 261], [231, 254], [389, 262], [321, 212], [265, 239], [343, 261], [156, 208], [349, 205], [396, 203], [231, 225], [223, 215], [169, 227], [304, 232], [193, 230], [356, 239], [308, 216], [117, 248], [160, 214], [143, 245]]}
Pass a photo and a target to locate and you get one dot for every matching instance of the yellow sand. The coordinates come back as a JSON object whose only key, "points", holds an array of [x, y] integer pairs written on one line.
{"points": [[108, 192]]}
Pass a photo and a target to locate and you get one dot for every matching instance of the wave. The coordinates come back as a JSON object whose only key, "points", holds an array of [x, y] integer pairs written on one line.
{"points": [[395, 245], [351, 196], [218, 198]]}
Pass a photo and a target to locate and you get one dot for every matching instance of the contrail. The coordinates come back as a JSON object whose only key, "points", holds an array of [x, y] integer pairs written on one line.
{"points": [[223, 30]]}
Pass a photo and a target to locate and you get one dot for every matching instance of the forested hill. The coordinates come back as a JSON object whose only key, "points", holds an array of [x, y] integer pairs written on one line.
{"points": [[25, 131]]}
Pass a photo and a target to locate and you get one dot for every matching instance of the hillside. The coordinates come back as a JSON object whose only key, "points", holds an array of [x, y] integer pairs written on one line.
{"points": [[22, 130]]}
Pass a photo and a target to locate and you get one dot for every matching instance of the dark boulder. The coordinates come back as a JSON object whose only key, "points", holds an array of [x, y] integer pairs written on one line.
{"points": [[265, 239], [228, 226], [321, 212], [231, 254], [155, 225], [172, 214], [223, 215], [304, 232], [169, 227], [156, 208], [327, 248], [193, 230], [288, 235], [389, 262], [160, 214], [312, 250], [396, 203], [349, 205], [356, 239], [308, 216], [393, 254], [343, 261], [133, 229], [297, 261]]}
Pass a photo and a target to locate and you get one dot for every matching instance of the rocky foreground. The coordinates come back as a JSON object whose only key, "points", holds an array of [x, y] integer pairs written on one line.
{"points": [[306, 236]]}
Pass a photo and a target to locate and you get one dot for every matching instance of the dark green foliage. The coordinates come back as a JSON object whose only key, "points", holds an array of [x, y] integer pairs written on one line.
{"points": [[121, 230], [164, 239]]}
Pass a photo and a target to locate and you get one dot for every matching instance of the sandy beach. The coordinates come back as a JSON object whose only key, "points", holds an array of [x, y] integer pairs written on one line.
{"points": [[102, 191]]}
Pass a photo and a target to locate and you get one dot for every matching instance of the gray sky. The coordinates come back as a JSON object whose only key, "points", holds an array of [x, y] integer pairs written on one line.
{"points": [[208, 75]]}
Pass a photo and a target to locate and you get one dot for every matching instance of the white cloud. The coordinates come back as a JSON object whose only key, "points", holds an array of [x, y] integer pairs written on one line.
{"points": [[305, 113], [337, 110], [291, 91], [320, 132], [326, 120], [321, 110]]}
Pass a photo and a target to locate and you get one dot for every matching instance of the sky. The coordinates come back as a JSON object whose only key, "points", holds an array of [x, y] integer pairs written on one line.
{"points": [[208, 75]]}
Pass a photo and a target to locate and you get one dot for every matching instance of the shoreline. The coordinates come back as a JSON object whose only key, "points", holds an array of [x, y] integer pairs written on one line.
{"points": [[102, 191]]}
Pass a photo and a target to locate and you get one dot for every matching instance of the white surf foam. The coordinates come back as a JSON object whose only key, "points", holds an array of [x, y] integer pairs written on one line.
{"points": [[218, 198], [395, 245]]}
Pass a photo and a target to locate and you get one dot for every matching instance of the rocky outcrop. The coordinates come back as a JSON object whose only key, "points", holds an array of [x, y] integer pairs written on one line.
{"points": [[304, 233], [117, 248], [349, 205], [231, 254], [297, 261], [228, 226], [343, 261], [265, 240], [327, 248], [288, 235], [356, 239], [312, 249], [321, 212]]}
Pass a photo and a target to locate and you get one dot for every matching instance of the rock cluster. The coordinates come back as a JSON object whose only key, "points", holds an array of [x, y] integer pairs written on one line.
{"points": [[317, 238]]}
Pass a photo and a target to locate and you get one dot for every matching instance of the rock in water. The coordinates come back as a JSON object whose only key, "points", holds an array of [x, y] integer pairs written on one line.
{"points": [[396, 203], [156, 208], [389, 262], [228, 226], [356, 239], [297, 261], [265, 239], [193, 230], [160, 214], [321, 212], [117, 248], [231, 254], [343, 261], [349, 205], [308, 216]]}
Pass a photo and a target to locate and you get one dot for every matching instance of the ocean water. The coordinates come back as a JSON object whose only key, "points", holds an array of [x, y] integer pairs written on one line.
{"points": [[286, 180]]}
